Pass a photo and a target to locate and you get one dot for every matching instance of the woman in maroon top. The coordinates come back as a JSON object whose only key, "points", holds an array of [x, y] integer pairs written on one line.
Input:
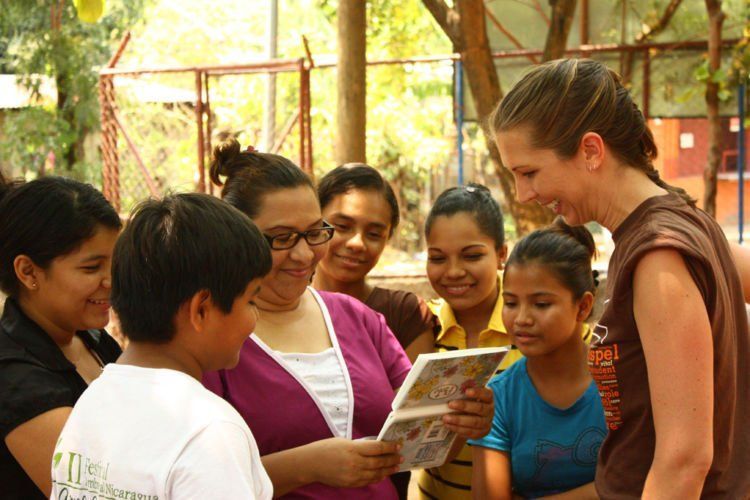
{"points": [[671, 351]]}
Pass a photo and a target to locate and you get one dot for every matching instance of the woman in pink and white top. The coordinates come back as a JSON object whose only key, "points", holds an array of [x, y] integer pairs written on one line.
{"points": [[319, 371]]}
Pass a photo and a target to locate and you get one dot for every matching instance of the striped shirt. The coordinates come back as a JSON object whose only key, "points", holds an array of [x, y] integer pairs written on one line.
{"points": [[453, 480]]}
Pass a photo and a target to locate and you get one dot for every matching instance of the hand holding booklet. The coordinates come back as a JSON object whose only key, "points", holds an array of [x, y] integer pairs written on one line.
{"points": [[435, 380]]}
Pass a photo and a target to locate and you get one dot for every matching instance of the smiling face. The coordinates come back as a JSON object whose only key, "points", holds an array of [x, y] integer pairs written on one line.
{"points": [[282, 211], [539, 312], [542, 176], [73, 291], [462, 263], [362, 219]]}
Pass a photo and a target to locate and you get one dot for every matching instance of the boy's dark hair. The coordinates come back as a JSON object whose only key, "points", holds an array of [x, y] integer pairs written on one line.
{"points": [[250, 175], [473, 199], [175, 247], [350, 176], [565, 250], [47, 218]]}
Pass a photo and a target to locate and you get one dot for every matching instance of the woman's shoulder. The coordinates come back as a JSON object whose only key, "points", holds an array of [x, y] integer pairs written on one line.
{"points": [[407, 314], [28, 388], [344, 308], [394, 295], [668, 218], [509, 378], [336, 300]]}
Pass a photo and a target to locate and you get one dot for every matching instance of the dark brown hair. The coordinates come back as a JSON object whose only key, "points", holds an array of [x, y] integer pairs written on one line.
{"points": [[475, 200], [565, 250], [361, 176], [172, 249], [250, 175], [559, 101], [45, 219]]}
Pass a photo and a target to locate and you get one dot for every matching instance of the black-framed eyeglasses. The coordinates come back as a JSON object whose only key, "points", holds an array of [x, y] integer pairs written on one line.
{"points": [[313, 237]]}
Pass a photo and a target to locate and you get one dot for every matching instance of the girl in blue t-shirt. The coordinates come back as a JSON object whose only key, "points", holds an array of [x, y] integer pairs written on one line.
{"points": [[549, 421]]}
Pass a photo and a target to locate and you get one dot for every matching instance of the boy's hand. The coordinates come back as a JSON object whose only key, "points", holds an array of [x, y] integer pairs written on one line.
{"points": [[344, 463], [475, 417]]}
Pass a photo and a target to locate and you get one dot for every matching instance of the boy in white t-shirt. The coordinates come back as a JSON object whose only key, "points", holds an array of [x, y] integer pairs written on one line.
{"points": [[185, 273]]}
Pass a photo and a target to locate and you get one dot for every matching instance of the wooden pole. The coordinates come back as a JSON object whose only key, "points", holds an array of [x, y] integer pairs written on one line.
{"points": [[201, 184], [351, 108]]}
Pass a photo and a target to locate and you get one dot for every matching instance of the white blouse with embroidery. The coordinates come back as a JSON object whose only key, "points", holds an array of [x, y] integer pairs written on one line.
{"points": [[322, 372]]}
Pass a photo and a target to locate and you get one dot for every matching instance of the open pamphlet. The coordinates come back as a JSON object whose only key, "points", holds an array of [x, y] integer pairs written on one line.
{"points": [[435, 380]]}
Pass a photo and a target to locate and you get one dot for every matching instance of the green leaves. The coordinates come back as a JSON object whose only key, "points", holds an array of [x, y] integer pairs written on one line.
{"points": [[70, 54], [702, 73], [37, 136]]}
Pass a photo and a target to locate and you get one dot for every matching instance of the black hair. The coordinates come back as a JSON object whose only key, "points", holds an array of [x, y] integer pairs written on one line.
{"points": [[476, 200], [565, 250], [45, 219], [175, 247], [350, 176], [250, 175]]}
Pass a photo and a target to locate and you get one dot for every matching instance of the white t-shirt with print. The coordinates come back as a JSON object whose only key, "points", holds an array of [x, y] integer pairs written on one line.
{"points": [[155, 434]]}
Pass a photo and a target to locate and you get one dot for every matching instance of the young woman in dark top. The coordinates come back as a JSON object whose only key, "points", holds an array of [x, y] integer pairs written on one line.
{"points": [[362, 206], [56, 241]]}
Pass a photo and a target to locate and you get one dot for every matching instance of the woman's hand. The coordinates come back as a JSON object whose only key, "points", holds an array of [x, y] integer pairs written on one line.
{"points": [[344, 463], [474, 419]]}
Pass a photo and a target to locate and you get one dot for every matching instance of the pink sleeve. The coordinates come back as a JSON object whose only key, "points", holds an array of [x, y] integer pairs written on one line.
{"points": [[213, 381], [392, 355]]}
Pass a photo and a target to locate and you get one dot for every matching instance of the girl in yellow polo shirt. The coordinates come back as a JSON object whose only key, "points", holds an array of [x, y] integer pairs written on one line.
{"points": [[465, 251]]}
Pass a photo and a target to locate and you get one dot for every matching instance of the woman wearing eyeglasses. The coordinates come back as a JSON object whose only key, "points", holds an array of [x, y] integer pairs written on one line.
{"points": [[319, 371]]}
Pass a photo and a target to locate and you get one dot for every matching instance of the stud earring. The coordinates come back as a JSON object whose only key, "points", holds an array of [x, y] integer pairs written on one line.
{"points": [[33, 285]]}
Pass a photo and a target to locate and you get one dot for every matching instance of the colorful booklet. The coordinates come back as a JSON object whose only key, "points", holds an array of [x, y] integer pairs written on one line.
{"points": [[435, 379]]}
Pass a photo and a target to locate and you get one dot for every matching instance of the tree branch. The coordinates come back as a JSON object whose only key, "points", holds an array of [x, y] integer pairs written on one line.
{"points": [[509, 35], [652, 30], [538, 8], [446, 17], [646, 34]]}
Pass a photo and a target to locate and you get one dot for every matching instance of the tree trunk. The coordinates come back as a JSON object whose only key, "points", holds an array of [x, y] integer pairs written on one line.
{"points": [[351, 110], [67, 113], [466, 28], [715, 21], [559, 29]]}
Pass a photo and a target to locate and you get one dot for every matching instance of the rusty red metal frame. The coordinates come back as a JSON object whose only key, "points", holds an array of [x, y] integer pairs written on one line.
{"points": [[111, 124], [110, 159], [303, 66], [139, 161], [285, 131]]}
